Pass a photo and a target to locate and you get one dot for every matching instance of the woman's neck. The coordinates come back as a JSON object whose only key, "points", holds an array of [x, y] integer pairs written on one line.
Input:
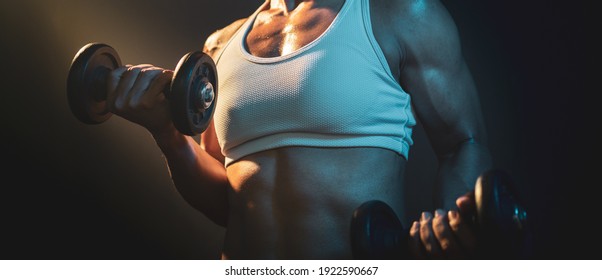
{"points": [[286, 5]]}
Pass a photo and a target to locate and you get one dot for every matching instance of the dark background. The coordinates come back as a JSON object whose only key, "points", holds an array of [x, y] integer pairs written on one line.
{"points": [[73, 191]]}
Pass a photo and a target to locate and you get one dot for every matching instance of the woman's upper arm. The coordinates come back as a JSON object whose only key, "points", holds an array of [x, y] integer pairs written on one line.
{"points": [[437, 77], [210, 144]]}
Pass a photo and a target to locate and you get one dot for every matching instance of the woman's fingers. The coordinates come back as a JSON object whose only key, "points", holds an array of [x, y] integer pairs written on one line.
{"points": [[427, 235], [445, 236], [464, 233]]}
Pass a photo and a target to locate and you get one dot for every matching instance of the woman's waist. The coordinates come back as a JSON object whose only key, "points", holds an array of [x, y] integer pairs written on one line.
{"points": [[295, 197], [325, 178]]}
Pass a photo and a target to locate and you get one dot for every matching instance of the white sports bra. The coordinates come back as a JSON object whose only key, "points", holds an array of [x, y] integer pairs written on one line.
{"points": [[337, 91]]}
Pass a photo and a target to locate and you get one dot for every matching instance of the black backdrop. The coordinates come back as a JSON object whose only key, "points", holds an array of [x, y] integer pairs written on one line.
{"points": [[72, 191]]}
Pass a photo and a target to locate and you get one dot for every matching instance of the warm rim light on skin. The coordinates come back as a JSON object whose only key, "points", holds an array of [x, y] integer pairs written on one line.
{"points": [[288, 46]]}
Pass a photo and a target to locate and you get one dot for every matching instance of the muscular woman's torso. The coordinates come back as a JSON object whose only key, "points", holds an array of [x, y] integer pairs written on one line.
{"points": [[297, 202]]}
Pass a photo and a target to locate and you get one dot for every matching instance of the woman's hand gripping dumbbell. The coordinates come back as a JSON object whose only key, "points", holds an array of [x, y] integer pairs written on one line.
{"points": [[188, 94]]}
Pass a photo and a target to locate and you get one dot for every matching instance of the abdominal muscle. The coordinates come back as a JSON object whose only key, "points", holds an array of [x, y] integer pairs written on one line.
{"points": [[297, 202]]}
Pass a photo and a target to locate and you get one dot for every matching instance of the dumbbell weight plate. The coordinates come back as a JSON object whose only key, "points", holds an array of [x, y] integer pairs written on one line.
{"points": [[193, 93], [501, 218], [377, 233], [496, 204], [86, 82]]}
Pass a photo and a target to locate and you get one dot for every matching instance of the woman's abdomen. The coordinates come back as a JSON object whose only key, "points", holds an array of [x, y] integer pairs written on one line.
{"points": [[297, 203]]}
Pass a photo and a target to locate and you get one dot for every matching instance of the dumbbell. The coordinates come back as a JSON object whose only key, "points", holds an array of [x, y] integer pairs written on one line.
{"points": [[500, 224], [192, 92]]}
